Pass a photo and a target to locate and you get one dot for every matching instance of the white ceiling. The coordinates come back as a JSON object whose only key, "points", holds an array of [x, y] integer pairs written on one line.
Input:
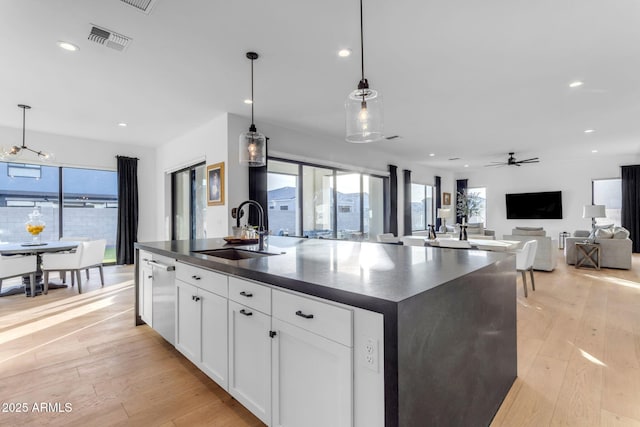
{"points": [[464, 79]]}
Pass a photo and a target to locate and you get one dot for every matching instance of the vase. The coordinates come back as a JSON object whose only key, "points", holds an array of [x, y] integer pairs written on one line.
{"points": [[35, 225]]}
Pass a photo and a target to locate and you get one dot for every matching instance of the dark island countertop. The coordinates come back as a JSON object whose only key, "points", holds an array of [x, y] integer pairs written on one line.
{"points": [[449, 314], [365, 274]]}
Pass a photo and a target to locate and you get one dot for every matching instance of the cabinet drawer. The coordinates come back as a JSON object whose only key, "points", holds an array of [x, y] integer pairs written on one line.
{"points": [[205, 279], [318, 317], [250, 294]]}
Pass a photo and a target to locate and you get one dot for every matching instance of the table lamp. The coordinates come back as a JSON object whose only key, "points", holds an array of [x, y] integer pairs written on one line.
{"points": [[443, 214], [593, 212]]}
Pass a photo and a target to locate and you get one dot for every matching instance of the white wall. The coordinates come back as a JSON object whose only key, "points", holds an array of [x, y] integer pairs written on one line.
{"points": [[573, 178], [93, 154]]}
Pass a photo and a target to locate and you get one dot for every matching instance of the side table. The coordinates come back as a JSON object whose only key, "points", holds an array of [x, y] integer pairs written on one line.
{"points": [[588, 255]]}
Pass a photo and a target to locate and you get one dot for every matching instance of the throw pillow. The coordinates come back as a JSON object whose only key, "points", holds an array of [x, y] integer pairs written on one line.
{"points": [[520, 232], [604, 233], [530, 228], [592, 235], [620, 233]]}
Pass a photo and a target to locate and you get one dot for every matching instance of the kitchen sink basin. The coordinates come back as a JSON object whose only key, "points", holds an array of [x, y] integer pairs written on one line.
{"points": [[234, 254]]}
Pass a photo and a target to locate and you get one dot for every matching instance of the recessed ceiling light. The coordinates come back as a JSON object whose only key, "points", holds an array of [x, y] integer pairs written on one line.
{"points": [[594, 151], [343, 53], [68, 46], [122, 124], [466, 166], [432, 154], [589, 131], [248, 101], [577, 83]]}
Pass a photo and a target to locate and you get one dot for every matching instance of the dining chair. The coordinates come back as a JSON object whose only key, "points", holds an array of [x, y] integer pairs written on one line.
{"points": [[19, 265], [88, 255], [63, 274], [524, 262]]}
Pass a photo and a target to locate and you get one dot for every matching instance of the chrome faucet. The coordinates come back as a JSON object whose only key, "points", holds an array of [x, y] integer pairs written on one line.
{"points": [[261, 230]]}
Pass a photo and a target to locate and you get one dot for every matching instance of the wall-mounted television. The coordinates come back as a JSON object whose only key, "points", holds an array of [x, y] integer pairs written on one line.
{"points": [[544, 205]]}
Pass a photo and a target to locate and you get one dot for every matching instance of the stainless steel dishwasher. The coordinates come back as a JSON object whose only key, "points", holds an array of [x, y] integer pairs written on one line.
{"points": [[163, 296]]}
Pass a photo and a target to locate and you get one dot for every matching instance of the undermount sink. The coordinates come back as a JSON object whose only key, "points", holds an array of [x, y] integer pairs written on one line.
{"points": [[234, 254]]}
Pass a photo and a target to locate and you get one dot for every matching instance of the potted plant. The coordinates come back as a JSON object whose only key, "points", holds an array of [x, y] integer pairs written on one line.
{"points": [[468, 205]]}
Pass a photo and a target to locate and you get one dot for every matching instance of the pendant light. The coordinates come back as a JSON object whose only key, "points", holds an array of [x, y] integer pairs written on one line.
{"points": [[15, 151], [364, 106], [253, 144]]}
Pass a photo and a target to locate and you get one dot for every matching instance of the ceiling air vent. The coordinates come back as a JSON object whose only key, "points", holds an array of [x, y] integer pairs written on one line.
{"points": [[109, 38], [141, 5]]}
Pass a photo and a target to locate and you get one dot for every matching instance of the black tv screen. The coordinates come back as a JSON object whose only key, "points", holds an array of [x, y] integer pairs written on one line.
{"points": [[545, 205]]}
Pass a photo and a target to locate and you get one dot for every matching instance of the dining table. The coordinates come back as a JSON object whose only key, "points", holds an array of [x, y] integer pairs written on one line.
{"points": [[8, 249]]}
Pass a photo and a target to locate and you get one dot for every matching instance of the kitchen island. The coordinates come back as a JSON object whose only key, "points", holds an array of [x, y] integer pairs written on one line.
{"points": [[447, 319]]}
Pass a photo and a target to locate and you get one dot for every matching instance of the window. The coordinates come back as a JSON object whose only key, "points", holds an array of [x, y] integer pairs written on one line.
{"points": [[481, 194], [608, 192], [421, 206], [89, 203], [282, 192], [334, 203], [189, 203]]}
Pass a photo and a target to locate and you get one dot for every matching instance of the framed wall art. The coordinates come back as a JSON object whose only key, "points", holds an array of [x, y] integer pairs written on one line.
{"points": [[446, 199], [215, 184]]}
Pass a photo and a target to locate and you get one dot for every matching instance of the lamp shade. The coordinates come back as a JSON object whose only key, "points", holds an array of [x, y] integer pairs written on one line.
{"points": [[594, 211], [443, 213], [364, 116], [253, 148]]}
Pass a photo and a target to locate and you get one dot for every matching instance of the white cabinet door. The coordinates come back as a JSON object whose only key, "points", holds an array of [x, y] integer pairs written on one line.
{"points": [[312, 379], [188, 321], [250, 359], [214, 337], [145, 282]]}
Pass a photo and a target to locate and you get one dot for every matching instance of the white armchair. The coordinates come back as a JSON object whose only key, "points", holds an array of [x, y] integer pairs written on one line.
{"points": [[88, 255], [19, 265]]}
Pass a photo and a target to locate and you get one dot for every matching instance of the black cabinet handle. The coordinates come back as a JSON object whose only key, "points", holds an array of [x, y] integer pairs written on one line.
{"points": [[306, 316], [195, 277], [149, 277], [246, 294], [195, 297], [246, 313]]}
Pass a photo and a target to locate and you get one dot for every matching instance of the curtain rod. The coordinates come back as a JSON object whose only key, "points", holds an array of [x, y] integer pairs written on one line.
{"points": [[127, 157]]}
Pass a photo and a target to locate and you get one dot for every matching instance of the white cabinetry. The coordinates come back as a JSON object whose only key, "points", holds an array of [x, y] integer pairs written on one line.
{"points": [[201, 320], [145, 288], [310, 372], [250, 346]]}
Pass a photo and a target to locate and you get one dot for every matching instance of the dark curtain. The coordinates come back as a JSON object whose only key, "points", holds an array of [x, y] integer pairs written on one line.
{"points": [[258, 192], [392, 225], [461, 187], [631, 203], [407, 202], [127, 209], [438, 200]]}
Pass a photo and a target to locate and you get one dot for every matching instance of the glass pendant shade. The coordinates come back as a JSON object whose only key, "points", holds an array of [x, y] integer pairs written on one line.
{"points": [[364, 116], [253, 148]]}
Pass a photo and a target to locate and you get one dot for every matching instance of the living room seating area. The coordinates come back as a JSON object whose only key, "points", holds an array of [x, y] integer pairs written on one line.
{"points": [[615, 246], [545, 254]]}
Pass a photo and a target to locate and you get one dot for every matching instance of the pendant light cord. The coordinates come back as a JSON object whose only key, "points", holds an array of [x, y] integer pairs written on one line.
{"points": [[24, 118], [252, 92], [361, 41]]}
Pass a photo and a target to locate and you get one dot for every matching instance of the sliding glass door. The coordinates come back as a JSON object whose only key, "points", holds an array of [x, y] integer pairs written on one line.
{"points": [[189, 203]]}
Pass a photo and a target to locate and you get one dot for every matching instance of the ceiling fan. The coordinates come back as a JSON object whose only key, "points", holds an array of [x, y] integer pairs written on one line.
{"points": [[511, 161]]}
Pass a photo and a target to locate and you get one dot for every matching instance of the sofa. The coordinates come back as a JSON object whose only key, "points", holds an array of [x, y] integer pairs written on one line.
{"points": [[474, 231], [615, 246], [546, 255]]}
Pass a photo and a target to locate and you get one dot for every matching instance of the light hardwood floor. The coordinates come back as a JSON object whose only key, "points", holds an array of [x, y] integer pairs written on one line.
{"points": [[578, 358]]}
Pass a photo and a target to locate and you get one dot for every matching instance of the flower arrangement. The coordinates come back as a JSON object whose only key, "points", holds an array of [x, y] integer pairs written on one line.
{"points": [[468, 204]]}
